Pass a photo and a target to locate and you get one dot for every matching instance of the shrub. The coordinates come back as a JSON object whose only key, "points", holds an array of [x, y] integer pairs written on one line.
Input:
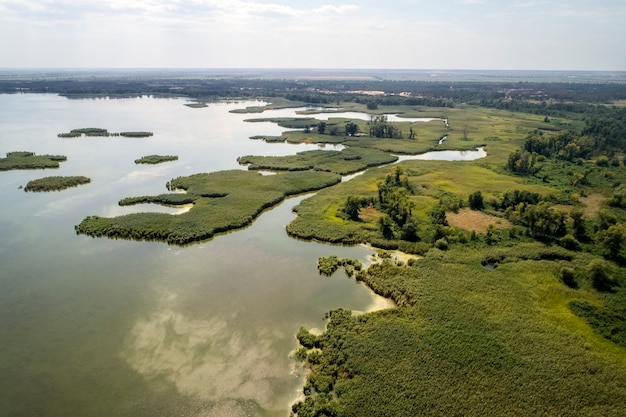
{"points": [[441, 244], [476, 201], [568, 276], [306, 339], [569, 242], [600, 274], [602, 161]]}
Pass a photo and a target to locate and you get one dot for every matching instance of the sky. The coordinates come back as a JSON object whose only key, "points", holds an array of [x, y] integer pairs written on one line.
{"points": [[391, 34]]}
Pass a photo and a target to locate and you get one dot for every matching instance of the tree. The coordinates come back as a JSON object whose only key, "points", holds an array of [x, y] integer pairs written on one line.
{"points": [[351, 129], [438, 215], [410, 230], [613, 240], [476, 201], [600, 275], [521, 162], [579, 230], [321, 128], [380, 128], [543, 222], [386, 226], [352, 207]]}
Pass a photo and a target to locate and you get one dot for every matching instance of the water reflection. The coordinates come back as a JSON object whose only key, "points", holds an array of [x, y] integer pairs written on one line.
{"points": [[446, 156], [206, 358]]}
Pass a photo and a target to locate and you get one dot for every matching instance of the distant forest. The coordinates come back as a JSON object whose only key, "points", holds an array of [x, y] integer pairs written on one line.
{"points": [[550, 98]]}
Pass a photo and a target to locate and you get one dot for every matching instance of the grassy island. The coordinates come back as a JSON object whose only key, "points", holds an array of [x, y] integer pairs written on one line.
{"points": [[99, 132], [28, 160], [196, 105], [156, 159], [346, 161], [55, 183], [222, 201]]}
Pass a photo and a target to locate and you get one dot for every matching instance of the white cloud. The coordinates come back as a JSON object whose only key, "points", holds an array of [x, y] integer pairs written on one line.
{"points": [[329, 10], [316, 33]]}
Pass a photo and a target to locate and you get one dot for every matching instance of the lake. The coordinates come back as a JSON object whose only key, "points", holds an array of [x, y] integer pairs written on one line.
{"points": [[93, 327]]}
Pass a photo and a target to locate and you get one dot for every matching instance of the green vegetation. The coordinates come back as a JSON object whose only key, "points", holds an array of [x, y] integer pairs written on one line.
{"points": [[98, 132], [520, 315], [55, 183], [164, 199], [196, 105], [28, 160], [275, 104], [156, 159], [346, 161], [526, 319], [327, 265], [89, 131], [222, 201], [397, 137], [136, 134], [466, 340]]}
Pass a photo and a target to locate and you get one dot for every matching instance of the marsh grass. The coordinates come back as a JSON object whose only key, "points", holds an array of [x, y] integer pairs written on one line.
{"points": [[344, 162], [156, 159], [55, 183], [28, 160], [222, 201], [466, 340]]}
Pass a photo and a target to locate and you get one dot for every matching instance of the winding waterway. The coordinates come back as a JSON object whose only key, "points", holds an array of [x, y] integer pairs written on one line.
{"points": [[93, 327]]}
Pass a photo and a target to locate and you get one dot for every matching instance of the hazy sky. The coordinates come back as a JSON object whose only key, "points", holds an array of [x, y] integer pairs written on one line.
{"points": [[412, 34]]}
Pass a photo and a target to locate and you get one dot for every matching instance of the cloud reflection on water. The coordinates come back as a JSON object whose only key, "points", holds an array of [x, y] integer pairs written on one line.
{"points": [[206, 359]]}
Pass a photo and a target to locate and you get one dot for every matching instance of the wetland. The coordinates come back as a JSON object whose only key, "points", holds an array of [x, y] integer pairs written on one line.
{"points": [[137, 320]]}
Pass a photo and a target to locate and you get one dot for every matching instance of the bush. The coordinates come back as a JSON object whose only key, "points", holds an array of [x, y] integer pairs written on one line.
{"points": [[570, 242], [441, 244], [600, 274], [568, 276], [602, 161], [476, 201], [306, 339]]}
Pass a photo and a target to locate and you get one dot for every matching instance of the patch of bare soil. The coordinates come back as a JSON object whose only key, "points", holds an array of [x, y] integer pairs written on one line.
{"points": [[369, 214], [593, 203], [476, 220]]}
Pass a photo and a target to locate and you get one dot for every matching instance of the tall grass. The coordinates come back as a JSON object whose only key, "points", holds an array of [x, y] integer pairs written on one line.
{"points": [[222, 201]]}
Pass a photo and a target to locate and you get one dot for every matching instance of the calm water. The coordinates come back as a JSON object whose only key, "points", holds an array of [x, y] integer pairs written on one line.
{"points": [[94, 327]]}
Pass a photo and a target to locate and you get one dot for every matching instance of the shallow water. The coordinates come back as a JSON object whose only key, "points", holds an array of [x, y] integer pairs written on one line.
{"points": [[96, 327]]}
